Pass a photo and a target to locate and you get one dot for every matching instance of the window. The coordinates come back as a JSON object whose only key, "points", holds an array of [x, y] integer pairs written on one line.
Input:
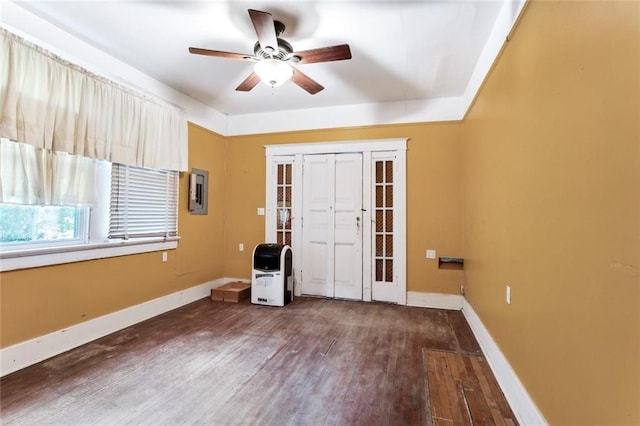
{"points": [[144, 202], [134, 204], [31, 226], [44, 196], [39, 165]]}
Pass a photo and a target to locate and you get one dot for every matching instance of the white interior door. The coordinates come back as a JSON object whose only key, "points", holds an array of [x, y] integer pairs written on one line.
{"points": [[332, 226], [347, 251], [328, 196], [317, 197]]}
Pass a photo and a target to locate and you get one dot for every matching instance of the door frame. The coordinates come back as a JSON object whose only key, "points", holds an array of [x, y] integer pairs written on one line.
{"points": [[294, 153]]}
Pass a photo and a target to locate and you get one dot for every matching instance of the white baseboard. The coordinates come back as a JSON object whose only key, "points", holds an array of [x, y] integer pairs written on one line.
{"points": [[521, 403], [434, 300], [32, 351], [233, 280]]}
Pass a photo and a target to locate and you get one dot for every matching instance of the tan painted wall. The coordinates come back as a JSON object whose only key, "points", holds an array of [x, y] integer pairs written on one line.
{"points": [[433, 197], [547, 169], [200, 254], [38, 301], [551, 190]]}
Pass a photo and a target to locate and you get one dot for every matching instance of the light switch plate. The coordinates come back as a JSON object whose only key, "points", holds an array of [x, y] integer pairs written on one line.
{"points": [[431, 254], [260, 211]]}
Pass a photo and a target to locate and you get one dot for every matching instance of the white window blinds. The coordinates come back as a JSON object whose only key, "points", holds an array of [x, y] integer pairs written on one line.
{"points": [[144, 202]]}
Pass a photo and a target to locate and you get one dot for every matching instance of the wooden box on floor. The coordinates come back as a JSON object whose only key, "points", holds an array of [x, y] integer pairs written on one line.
{"points": [[231, 292]]}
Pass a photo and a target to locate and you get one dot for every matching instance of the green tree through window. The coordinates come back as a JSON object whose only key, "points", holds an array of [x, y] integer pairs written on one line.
{"points": [[19, 223]]}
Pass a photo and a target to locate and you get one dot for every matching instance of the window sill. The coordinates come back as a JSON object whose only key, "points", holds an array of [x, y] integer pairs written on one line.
{"points": [[33, 258]]}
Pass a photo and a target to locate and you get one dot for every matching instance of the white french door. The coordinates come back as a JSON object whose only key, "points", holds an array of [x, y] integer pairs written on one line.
{"points": [[341, 208], [386, 225], [332, 226]]}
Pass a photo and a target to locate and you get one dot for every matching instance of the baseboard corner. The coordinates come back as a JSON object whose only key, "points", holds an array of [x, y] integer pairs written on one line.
{"points": [[434, 300]]}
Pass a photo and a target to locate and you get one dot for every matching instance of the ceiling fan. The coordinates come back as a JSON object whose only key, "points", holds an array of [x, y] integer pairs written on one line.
{"points": [[274, 56]]}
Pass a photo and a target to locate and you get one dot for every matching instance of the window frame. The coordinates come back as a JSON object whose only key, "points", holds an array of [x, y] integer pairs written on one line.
{"points": [[98, 245], [82, 225]]}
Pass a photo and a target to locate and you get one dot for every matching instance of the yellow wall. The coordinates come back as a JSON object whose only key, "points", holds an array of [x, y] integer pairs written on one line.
{"points": [[200, 254], [434, 218], [551, 192], [38, 301], [538, 189]]}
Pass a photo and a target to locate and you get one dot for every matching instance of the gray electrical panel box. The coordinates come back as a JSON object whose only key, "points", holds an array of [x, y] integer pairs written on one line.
{"points": [[198, 191]]}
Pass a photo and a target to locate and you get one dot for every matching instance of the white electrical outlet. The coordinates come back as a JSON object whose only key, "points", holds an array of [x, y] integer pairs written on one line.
{"points": [[260, 211], [508, 295], [431, 254], [164, 256], [241, 247]]}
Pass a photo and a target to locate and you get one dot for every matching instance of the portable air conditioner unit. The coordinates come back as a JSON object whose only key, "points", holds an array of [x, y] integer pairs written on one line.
{"points": [[272, 278]]}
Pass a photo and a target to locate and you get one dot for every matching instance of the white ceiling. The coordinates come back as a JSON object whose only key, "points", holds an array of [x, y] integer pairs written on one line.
{"points": [[403, 52]]}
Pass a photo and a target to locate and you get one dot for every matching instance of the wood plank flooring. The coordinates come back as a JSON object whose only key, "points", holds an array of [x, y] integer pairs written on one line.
{"points": [[312, 362], [463, 391]]}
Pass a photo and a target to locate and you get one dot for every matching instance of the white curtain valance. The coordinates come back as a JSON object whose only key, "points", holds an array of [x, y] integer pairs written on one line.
{"points": [[52, 104]]}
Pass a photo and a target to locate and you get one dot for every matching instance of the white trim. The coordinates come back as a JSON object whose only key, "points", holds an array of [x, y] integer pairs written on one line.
{"points": [[32, 351], [225, 280], [400, 225], [435, 300], [355, 115], [10, 261], [19, 19], [367, 230], [296, 224], [338, 147], [519, 400], [505, 22]]}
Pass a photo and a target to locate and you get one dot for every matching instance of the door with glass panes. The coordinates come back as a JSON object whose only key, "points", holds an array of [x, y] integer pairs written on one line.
{"points": [[284, 206], [384, 287], [343, 215]]}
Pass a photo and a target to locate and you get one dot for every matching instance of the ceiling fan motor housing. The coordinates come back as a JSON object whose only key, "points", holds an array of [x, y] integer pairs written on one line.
{"points": [[284, 50]]}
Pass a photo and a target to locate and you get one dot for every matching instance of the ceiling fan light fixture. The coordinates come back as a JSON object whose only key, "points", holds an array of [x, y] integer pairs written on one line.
{"points": [[273, 72]]}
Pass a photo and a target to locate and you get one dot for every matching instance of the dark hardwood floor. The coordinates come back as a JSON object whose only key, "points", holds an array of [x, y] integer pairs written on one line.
{"points": [[314, 361]]}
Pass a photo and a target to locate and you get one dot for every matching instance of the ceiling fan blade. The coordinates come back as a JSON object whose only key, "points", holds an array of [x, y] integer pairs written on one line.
{"points": [[221, 54], [306, 82], [324, 54], [249, 83], [265, 30]]}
